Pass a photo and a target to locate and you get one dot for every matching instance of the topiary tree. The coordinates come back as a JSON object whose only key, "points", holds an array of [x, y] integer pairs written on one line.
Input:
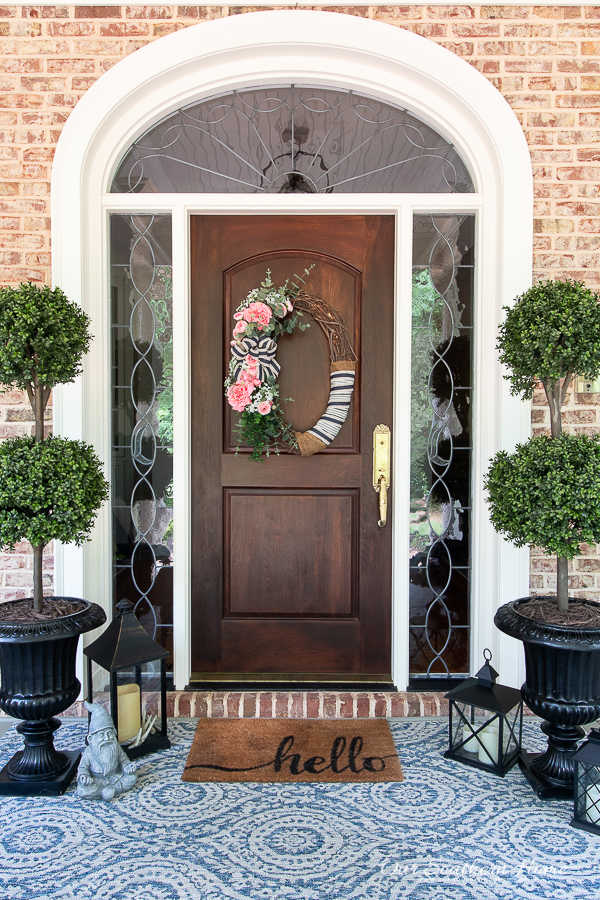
{"points": [[50, 488], [547, 492]]}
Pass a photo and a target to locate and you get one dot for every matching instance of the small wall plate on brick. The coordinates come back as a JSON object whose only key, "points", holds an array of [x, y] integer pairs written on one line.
{"points": [[587, 385]]}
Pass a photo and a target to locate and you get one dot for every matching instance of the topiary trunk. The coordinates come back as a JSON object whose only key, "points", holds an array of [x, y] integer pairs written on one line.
{"points": [[38, 585], [38, 397], [555, 394], [562, 583]]}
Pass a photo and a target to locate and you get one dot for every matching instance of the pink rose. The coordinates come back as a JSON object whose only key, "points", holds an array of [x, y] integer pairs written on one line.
{"points": [[252, 363], [259, 313], [264, 407], [238, 395], [240, 328], [250, 378], [238, 315]]}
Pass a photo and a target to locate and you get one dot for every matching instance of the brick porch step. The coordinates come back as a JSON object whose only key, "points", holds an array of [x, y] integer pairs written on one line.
{"points": [[298, 704], [305, 704]]}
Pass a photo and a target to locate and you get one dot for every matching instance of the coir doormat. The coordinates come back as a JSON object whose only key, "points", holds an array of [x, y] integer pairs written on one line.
{"points": [[277, 750]]}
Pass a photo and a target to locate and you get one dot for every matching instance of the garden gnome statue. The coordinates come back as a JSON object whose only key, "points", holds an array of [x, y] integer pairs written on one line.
{"points": [[105, 770]]}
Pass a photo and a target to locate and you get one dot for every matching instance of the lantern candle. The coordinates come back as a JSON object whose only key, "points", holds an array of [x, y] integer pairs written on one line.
{"points": [[128, 711], [470, 745], [592, 804], [489, 738]]}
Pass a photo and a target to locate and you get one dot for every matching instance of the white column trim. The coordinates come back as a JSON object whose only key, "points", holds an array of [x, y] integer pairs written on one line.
{"points": [[305, 47], [181, 447], [401, 446]]}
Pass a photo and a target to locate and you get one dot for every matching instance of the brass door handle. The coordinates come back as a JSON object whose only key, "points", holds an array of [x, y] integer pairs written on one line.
{"points": [[382, 502], [381, 468]]}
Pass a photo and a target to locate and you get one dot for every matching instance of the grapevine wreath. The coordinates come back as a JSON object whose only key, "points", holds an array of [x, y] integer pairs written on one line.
{"points": [[251, 385]]}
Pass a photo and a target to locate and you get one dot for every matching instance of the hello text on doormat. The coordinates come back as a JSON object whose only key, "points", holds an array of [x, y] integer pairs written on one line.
{"points": [[293, 750]]}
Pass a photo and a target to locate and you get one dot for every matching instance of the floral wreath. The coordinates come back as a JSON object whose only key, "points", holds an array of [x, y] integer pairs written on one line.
{"points": [[251, 385]]}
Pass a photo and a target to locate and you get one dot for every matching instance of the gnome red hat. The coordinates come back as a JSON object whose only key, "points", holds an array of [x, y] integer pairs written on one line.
{"points": [[100, 720]]}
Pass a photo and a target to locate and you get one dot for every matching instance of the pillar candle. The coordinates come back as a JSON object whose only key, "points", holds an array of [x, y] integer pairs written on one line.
{"points": [[471, 745], [489, 738], [128, 712], [592, 804]]}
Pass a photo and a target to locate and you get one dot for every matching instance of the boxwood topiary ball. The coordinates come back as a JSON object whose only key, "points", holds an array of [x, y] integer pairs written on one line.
{"points": [[49, 490], [552, 331], [547, 493]]}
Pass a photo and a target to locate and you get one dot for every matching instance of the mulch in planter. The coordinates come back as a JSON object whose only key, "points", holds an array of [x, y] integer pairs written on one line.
{"points": [[22, 611], [580, 614]]}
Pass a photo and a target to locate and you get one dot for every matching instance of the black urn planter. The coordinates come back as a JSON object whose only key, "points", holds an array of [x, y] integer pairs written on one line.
{"points": [[37, 661], [562, 686]]}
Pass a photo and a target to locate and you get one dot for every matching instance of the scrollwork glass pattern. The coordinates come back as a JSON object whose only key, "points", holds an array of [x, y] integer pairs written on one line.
{"points": [[142, 411], [291, 139], [443, 261]]}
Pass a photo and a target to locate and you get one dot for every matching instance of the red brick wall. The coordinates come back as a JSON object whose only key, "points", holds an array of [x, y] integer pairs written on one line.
{"points": [[544, 60]]}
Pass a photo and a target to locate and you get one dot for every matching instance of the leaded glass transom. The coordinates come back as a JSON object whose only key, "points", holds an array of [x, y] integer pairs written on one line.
{"points": [[291, 139]]}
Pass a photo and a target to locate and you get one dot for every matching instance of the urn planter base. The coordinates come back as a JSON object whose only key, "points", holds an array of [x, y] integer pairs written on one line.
{"points": [[542, 786], [49, 787], [39, 768]]}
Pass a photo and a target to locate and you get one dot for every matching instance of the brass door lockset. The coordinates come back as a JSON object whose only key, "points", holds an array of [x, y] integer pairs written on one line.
{"points": [[381, 468]]}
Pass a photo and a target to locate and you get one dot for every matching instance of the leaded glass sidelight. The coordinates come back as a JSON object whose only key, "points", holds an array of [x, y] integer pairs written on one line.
{"points": [[441, 446], [142, 419], [291, 139]]}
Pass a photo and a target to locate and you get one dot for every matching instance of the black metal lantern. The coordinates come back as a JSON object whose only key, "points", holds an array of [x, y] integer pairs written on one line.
{"points": [[587, 784], [134, 682], [485, 722]]}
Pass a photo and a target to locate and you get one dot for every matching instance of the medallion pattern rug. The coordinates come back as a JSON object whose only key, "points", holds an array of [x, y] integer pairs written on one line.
{"points": [[447, 831]]}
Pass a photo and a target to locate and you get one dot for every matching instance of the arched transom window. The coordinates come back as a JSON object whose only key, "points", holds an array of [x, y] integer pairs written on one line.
{"points": [[291, 139]]}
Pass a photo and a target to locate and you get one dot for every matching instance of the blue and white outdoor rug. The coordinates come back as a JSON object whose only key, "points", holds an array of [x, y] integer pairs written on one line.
{"points": [[447, 831]]}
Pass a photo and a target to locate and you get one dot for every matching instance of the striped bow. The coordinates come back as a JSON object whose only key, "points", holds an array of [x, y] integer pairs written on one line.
{"points": [[263, 350]]}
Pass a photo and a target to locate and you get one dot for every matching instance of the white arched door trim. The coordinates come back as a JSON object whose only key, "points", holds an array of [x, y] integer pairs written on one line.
{"points": [[312, 48]]}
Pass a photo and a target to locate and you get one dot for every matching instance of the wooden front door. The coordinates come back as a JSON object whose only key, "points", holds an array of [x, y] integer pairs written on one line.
{"points": [[291, 574]]}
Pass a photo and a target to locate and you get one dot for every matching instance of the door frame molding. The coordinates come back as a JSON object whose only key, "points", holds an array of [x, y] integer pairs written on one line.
{"points": [[311, 47]]}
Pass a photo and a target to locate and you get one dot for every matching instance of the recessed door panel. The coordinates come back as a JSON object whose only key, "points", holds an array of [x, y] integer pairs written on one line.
{"points": [[291, 553]]}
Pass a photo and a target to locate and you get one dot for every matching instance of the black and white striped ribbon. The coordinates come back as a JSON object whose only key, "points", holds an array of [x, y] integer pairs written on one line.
{"points": [[263, 350], [340, 395]]}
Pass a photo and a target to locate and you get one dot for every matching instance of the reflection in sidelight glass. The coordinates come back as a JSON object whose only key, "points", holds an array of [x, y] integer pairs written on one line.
{"points": [[290, 139], [142, 419], [441, 412]]}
